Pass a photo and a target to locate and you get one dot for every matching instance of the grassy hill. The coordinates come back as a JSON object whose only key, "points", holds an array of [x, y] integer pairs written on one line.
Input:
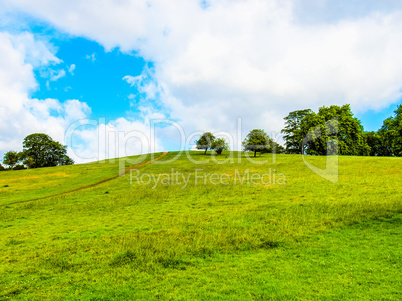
{"points": [[223, 235]]}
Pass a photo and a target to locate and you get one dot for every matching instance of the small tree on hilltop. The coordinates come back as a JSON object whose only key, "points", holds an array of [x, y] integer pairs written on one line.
{"points": [[40, 150], [205, 141], [11, 158], [219, 145], [257, 141]]}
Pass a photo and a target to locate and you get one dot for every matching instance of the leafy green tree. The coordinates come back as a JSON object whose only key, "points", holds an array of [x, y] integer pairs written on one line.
{"points": [[334, 130], [11, 158], [28, 161], [2, 167], [391, 134], [374, 140], [278, 149], [205, 141], [19, 167], [66, 160], [293, 134], [258, 141], [219, 145], [44, 151]]}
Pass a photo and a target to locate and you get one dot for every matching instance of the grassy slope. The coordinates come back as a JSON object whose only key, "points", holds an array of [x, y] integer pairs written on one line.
{"points": [[23, 185], [306, 239]]}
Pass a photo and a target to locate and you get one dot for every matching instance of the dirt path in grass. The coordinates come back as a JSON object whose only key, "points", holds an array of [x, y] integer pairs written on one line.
{"points": [[135, 167]]}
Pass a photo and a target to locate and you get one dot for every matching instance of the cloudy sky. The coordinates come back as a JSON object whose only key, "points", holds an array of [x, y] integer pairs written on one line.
{"points": [[116, 77]]}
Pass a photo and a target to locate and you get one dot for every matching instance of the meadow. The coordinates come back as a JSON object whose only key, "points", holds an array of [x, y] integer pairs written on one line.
{"points": [[203, 227]]}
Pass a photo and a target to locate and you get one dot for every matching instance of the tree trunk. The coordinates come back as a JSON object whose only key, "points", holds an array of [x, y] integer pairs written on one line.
{"points": [[205, 151], [255, 153]]}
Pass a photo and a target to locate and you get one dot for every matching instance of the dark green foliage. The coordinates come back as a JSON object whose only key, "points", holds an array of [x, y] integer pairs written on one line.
{"points": [[333, 130], [19, 167], [40, 150], [277, 148], [219, 145], [391, 134], [11, 158], [258, 141], [205, 141], [375, 142], [29, 162], [66, 160], [2, 167], [293, 135]]}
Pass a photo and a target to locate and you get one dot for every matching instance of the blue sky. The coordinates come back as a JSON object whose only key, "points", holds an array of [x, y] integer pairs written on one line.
{"points": [[96, 78], [203, 66]]}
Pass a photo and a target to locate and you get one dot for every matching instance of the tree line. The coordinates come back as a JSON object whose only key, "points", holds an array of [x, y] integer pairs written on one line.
{"points": [[335, 128], [332, 130], [256, 141], [39, 150]]}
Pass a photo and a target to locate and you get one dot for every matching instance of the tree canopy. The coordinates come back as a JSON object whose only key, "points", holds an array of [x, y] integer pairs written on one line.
{"points": [[374, 141], [40, 150], [333, 130], [208, 141], [293, 135], [11, 158], [219, 145], [205, 141], [258, 141], [390, 135]]}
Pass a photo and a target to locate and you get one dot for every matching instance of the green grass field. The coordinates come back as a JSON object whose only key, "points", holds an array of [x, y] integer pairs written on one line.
{"points": [[297, 237]]}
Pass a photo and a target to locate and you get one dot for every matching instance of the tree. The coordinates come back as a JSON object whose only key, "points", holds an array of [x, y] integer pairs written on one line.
{"points": [[2, 167], [333, 130], [293, 135], [278, 149], [258, 141], [28, 161], [66, 160], [205, 141], [374, 140], [219, 145], [44, 151], [391, 134], [11, 158], [19, 167]]}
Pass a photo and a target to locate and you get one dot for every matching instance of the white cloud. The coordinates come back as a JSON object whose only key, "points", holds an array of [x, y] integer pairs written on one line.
{"points": [[145, 83], [91, 57], [95, 140], [71, 69], [132, 80], [250, 58], [21, 115], [34, 51], [57, 75]]}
